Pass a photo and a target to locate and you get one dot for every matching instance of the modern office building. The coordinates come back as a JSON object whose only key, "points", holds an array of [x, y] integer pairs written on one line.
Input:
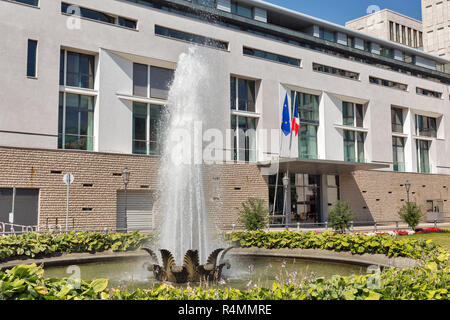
{"points": [[436, 27], [83, 84], [390, 25]]}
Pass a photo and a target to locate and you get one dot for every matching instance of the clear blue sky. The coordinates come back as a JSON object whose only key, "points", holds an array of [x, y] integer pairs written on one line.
{"points": [[340, 11]]}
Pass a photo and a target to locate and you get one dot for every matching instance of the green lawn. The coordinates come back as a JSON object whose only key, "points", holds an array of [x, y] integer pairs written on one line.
{"points": [[439, 238]]}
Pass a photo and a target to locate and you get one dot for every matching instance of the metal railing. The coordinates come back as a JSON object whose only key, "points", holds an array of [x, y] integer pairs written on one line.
{"points": [[10, 228], [374, 226]]}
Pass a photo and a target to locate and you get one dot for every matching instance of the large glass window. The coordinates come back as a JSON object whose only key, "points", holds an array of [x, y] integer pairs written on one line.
{"points": [[160, 79], [32, 58], [79, 69], [241, 9], [243, 94], [33, 3], [309, 122], [426, 126], [423, 156], [429, 93], [140, 80], [335, 71], [388, 83], [76, 121], [397, 120], [398, 145], [189, 37], [98, 16], [147, 128], [271, 56], [307, 141], [159, 85], [244, 142], [353, 114], [354, 146]]}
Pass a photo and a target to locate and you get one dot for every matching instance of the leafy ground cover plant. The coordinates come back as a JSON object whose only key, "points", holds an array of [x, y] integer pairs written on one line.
{"points": [[33, 245], [357, 244]]}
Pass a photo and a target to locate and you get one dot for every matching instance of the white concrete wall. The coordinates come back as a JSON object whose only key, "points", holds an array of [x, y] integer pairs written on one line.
{"points": [[30, 106]]}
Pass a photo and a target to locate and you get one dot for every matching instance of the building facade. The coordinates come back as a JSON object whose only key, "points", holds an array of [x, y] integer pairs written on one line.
{"points": [[84, 84], [390, 25], [436, 27]]}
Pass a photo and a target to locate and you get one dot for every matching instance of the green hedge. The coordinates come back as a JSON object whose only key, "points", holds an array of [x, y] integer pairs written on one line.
{"points": [[357, 244], [34, 245]]}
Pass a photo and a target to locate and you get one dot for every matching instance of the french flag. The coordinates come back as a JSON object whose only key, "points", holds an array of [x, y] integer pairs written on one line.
{"points": [[296, 118]]}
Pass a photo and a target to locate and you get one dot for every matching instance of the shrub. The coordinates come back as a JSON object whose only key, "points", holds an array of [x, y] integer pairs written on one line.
{"points": [[254, 214], [340, 216], [356, 244], [411, 213], [34, 245]]}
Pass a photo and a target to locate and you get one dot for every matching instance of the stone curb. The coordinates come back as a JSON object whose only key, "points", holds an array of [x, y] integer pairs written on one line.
{"points": [[77, 258], [329, 256]]}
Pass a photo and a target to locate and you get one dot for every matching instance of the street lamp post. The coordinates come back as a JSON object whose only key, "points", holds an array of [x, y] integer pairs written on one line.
{"points": [[285, 211], [408, 187], [126, 180]]}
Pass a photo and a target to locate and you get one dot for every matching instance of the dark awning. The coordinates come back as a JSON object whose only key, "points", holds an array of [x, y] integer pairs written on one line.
{"points": [[323, 166]]}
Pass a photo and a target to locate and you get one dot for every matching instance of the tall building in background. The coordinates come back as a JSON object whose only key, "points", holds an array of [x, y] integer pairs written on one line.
{"points": [[436, 20], [389, 25]]}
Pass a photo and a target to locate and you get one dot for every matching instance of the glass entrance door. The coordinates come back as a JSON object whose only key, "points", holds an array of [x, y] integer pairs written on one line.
{"points": [[305, 198]]}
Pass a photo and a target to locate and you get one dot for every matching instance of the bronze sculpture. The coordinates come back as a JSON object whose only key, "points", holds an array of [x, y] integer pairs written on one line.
{"points": [[191, 271]]}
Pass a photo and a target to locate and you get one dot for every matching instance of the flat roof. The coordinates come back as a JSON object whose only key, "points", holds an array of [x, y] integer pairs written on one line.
{"points": [[337, 27]]}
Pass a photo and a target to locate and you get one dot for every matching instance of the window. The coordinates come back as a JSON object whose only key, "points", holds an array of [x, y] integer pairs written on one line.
{"points": [[353, 114], [207, 3], [307, 141], [308, 107], [403, 35], [429, 93], [426, 126], [160, 79], [140, 80], [388, 83], [423, 156], [415, 39], [78, 69], [335, 71], [271, 56], [410, 37], [243, 94], [391, 30], [241, 9], [159, 84], [398, 145], [147, 129], [98, 16], [76, 121], [354, 146], [189, 37], [386, 52], [397, 32], [32, 58], [244, 142], [33, 3], [327, 35], [397, 120]]}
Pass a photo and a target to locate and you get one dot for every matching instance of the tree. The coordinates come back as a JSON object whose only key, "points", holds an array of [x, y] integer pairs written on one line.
{"points": [[411, 213], [254, 214], [340, 216]]}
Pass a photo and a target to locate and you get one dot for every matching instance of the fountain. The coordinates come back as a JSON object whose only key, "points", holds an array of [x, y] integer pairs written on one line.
{"points": [[186, 229]]}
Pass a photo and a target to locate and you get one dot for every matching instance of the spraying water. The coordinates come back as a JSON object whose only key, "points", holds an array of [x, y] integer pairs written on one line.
{"points": [[191, 108]]}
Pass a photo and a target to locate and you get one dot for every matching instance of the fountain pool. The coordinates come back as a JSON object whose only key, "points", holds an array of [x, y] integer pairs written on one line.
{"points": [[131, 274]]}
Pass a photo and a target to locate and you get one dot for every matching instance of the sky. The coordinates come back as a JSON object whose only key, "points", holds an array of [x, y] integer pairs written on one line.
{"points": [[340, 11]]}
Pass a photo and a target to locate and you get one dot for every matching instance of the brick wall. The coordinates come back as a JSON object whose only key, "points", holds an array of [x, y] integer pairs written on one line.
{"points": [[227, 186], [378, 195]]}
